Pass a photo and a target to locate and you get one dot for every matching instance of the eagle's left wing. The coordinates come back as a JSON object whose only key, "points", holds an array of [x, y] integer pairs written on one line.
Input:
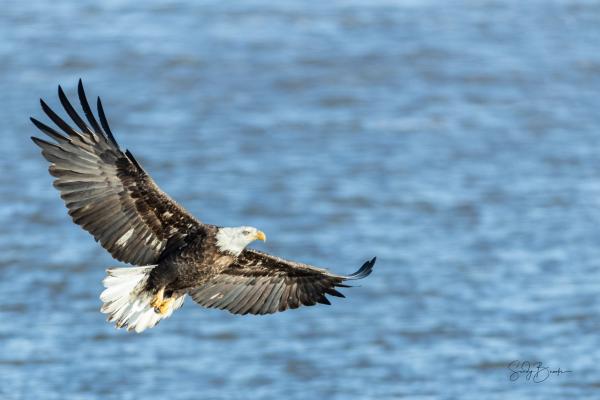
{"points": [[259, 283]]}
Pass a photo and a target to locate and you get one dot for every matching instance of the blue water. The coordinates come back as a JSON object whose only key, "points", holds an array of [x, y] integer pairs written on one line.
{"points": [[457, 141]]}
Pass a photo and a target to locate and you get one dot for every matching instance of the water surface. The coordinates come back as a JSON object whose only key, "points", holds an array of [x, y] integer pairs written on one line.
{"points": [[457, 141]]}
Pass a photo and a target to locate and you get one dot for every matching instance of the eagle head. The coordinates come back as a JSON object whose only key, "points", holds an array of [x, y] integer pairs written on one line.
{"points": [[234, 240]]}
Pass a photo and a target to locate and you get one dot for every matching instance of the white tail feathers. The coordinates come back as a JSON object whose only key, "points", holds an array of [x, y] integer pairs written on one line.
{"points": [[127, 303]]}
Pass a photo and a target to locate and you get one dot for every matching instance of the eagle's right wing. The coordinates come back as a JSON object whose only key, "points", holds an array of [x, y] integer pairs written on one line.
{"points": [[106, 190], [260, 283]]}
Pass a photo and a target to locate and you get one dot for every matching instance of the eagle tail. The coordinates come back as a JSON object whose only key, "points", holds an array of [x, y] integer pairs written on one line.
{"points": [[128, 303]]}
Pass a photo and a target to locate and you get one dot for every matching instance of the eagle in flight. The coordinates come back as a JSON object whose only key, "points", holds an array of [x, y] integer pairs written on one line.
{"points": [[110, 195]]}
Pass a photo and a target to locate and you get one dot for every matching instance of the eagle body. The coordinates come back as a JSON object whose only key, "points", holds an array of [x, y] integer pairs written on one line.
{"points": [[172, 253], [192, 264]]}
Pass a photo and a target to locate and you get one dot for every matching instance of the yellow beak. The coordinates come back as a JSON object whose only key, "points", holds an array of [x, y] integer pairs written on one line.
{"points": [[260, 235]]}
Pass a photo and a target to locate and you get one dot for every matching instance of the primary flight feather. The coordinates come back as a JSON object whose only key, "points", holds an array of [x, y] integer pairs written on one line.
{"points": [[109, 194]]}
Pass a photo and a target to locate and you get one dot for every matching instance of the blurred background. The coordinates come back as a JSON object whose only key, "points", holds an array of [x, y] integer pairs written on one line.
{"points": [[459, 142]]}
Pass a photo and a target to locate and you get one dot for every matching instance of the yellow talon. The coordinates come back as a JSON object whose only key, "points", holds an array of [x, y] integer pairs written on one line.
{"points": [[158, 298], [165, 306], [160, 305]]}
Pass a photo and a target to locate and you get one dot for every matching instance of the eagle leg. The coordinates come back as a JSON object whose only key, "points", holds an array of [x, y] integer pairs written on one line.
{"points": [[160, 304]]}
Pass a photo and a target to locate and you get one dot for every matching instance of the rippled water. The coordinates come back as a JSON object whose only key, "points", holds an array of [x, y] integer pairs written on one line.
{"points": [[457, 141]]}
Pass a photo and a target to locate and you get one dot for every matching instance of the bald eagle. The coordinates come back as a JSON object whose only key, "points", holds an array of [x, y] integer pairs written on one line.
{"points": [[110, 195]]}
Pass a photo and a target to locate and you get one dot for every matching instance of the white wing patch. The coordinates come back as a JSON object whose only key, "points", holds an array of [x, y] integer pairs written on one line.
{"points": [[122, 242], [218, 294]]}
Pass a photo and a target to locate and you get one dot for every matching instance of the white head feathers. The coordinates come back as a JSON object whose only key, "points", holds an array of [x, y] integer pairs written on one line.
{"points": [[234, 240]]}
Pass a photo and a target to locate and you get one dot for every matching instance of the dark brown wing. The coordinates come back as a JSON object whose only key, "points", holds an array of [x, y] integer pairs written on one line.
{"points": [[259, 283], [106, 191]]}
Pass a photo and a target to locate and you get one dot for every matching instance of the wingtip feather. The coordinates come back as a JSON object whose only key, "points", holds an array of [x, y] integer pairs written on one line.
{"points": [[87, 110], [41, 142], [365, 270], [104, 123]]}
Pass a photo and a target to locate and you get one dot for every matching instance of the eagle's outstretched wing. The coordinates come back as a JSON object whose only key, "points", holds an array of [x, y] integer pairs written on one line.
{"points": [[259, 283], [106, 190]]}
